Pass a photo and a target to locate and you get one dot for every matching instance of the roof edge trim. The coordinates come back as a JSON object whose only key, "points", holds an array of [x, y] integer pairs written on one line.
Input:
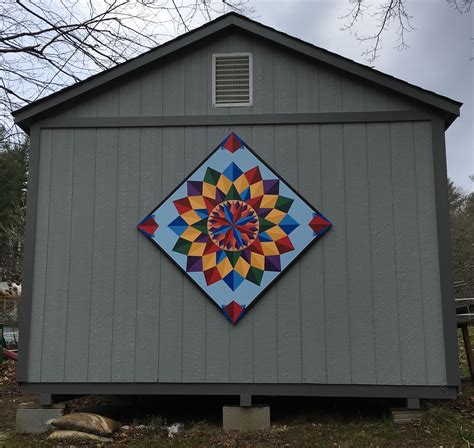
{"points": [[24, 115]]}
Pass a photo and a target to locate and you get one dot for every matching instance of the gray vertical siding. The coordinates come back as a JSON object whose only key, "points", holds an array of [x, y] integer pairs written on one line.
{"points": [[103, 257], [383, 262], [283, 82], [313, 322], [410, 311], [149, 262], [363, 306], [80, 257], [335, 288], [431, 295], [359, 250], [57, 259], [126, 256], [40, 257]]}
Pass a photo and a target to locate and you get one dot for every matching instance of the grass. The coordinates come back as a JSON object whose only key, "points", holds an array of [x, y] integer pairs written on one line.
{"points": [[463, 366], [303, 422], [441, 426]]}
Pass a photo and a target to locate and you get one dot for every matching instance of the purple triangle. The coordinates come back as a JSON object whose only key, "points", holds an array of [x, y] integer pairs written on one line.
{"points": [[264, 212], [271, 186], [194, 188], [246, 254], [272, 263], [203, 238], [219, 195], [194, 264]]}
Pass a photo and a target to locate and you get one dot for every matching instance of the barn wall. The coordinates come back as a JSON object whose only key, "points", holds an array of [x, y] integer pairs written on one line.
{"points": [[363, 306], [284, 82]]}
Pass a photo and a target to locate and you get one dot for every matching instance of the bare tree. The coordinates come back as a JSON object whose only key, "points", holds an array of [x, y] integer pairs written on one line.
{"points": [[49, 44], [386, 13]]}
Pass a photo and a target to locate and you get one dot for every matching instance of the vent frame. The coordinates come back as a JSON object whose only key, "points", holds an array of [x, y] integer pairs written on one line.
{"points": [[215, 56]]}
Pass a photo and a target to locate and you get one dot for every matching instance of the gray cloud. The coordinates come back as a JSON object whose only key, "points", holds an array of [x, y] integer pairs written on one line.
{"points": [[438, 57]]}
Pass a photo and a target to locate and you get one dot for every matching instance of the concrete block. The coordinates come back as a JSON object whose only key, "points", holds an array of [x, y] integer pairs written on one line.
{"points": [[407, 415], [246, 418], [32, 418], [414, 403]]}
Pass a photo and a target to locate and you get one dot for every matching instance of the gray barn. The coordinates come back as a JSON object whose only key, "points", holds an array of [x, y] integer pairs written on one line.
{"points": [[367, 311]]}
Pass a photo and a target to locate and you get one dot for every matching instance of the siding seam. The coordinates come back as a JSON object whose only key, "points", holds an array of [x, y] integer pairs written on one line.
{"points": [[323, 255], [297, 265], [161, 255], [343, 81], [273, 85], [422, 296], [370, 252], [162, 75], [47, 243], [364, 90], [138, 247], [140, 99], [319, 90], [345, 245], [295, 77], [115, 252], [69, 253], [161, 268], [395, 251], [92, 256]]}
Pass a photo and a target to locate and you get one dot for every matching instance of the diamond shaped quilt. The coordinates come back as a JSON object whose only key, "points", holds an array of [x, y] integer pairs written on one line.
{"points": [[234, 226]]}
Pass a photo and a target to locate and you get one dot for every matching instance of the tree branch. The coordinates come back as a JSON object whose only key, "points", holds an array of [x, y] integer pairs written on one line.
{"points": [[48, 44]]}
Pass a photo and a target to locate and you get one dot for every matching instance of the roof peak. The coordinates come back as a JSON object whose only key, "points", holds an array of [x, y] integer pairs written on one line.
{"points": [[27, 114]]}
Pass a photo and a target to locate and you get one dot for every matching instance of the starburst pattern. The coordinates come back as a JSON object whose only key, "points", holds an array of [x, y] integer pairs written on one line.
{"points": [[233, 227]]}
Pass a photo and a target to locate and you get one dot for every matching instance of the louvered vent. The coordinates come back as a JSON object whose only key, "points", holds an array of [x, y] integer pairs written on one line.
{"points": [[232, 79]]}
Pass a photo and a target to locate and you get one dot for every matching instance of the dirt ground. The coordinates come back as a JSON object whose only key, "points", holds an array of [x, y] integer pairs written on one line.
{"points": [[301, 422]]}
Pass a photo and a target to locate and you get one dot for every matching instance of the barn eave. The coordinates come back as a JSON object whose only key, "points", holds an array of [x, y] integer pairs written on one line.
{"points": [[442, 106]]}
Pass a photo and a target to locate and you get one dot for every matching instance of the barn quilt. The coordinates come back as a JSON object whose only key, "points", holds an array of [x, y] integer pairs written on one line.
{"points": [[234, 226]]}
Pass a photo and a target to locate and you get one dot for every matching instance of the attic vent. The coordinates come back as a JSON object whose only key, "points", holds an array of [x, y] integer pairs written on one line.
{"points": [[232, 79]]}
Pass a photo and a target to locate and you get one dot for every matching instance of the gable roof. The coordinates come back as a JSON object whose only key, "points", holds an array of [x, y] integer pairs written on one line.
{"points": [[448, 107]]}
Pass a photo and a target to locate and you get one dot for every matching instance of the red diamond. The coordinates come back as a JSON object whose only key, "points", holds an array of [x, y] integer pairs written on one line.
{"points": [[183, 205], [255, 202], [232, 143], [319, 224], [210, 248], [148, 226], [253, 175], [256, 247], [233, 311], [212, 276], [284, 245]]}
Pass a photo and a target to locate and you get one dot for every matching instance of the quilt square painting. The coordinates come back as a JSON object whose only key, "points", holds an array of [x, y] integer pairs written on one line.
{"points": [[234, 226]]}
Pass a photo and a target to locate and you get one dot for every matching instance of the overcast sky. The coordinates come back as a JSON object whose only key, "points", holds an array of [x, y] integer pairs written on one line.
{"points": [[438, 57]]}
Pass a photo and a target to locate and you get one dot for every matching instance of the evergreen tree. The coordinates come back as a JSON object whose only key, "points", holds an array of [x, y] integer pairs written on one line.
{"points": [[13, 178], [461, 211]]}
